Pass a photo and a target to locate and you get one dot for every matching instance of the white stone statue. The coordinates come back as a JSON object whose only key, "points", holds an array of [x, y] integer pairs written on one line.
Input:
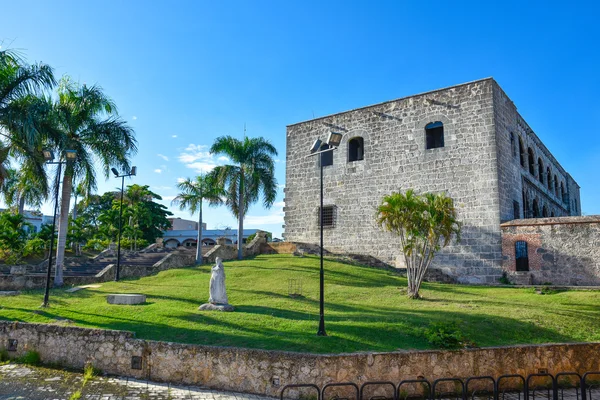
{"points": [[218, 295]]}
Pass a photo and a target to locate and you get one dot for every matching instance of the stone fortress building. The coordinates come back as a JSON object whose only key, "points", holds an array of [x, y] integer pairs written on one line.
{"points": [[467, 140]]}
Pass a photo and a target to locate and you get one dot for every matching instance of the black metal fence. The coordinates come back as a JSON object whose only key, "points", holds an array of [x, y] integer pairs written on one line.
{"points": [[542, 386]]}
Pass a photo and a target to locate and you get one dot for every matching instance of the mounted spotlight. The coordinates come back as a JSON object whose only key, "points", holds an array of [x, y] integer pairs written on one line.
{"points": [[316, 146], [114, 171], [71, 155], [48, 155], [334, 139]]}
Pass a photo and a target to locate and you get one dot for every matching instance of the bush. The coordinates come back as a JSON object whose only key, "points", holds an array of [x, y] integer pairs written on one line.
{"points": [[31, 358], [504, 279], [35, 246], [444, 335]]}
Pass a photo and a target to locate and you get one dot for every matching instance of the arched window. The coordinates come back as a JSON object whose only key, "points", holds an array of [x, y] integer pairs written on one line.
{"points": [[434, 135], [521, 152], [549, 178], [525, 205], [536, 208], [327, 157], [552, 214], [540, 171], [356, 150], [531, 161], [562, 191], [513, 146], [544, 211], [555, 185], [521, 256]]}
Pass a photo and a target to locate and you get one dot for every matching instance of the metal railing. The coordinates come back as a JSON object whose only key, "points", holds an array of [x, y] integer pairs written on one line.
{"points": [[541, 386]]}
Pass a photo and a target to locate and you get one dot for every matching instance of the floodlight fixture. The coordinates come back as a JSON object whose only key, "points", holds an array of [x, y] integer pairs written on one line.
{"points": [[48, 154], [114, 171], [133, 171], [71, 155], [334, 139], [316, 146]]}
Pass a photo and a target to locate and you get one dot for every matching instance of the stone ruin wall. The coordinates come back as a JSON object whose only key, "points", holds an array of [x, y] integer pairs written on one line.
{"points": [[395, 159], [266, 372], [561, 251]]}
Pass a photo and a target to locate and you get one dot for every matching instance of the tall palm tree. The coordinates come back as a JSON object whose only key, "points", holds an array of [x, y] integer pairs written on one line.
{"points": [[192, 194], [22, 112], [21, 187], [251, 175], [86, 121]]}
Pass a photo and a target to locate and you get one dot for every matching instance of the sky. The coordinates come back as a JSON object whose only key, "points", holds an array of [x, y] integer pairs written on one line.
{"points": [[183, 73]]}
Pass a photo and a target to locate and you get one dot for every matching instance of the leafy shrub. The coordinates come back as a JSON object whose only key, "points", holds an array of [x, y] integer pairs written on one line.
{"points": [[504, 279], [445, 335], [4, 355], [35, 246], [31, 358], [96, 244]]}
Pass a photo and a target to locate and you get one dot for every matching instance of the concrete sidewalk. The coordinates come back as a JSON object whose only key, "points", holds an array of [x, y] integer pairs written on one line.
{"points": [[34, 383]]}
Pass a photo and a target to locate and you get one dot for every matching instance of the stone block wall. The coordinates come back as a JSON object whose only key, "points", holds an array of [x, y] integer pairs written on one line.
{"points": [[254, 371], [396, 159], [516, 182], [561, 251]]}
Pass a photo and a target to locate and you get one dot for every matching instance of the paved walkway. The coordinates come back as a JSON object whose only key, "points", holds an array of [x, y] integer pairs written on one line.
{"points": [[32, 383]]}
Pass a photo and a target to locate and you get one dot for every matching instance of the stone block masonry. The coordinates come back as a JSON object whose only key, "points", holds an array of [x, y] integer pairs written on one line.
{"points": [[560, 251], [253, 371], [475, 163]]}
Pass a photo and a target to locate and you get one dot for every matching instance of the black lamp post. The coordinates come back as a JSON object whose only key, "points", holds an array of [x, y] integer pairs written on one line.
{"points": [[70, 155], [132, 173], [333, 141]]}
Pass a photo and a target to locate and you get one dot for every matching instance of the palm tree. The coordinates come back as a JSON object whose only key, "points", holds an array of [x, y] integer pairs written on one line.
{"points": [[22, 113], [86, 121], [193, 193], [250, 176], [425, 223], [22, 187]]}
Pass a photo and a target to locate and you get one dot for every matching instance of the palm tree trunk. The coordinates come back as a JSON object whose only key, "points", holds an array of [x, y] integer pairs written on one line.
{"points": [[199, 240], [63, 224], [21, 205], [241, 217]]}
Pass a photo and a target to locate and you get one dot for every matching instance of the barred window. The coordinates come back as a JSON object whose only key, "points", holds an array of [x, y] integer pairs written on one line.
{"points": [[434, 135], [329, 214]]}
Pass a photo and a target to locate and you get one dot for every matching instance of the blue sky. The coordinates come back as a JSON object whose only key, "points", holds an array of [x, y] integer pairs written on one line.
{"points": [[183, 73]]}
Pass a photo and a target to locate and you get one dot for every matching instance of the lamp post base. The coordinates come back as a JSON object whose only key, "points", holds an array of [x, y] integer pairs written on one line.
{"points": [[321, 331]]}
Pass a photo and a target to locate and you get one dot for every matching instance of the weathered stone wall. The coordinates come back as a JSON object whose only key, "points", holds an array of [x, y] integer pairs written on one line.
{"points": [[254, 371], [561, 251], [516, 182], [395, 158]]}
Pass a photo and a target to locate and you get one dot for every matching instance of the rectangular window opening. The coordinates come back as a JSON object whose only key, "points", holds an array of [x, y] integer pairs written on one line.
{"points": [[329, 214]]}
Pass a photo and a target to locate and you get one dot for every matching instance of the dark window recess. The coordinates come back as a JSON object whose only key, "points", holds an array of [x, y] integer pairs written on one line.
{"points": [[512, 144], [536, 209], [328, 216], [356, 150], [327, 157], [549, 178], [521, 153], [521, 256], [540, 171], [12, 345], [544, 212], [434, 135], [516, 209], [531, 162]]}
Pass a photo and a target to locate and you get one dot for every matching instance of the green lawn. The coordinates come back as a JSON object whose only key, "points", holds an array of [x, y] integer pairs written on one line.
{"points": [[365, 309]]}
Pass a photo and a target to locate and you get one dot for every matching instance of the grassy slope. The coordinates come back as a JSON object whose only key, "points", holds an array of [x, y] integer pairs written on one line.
{"points": [[365, 309]]}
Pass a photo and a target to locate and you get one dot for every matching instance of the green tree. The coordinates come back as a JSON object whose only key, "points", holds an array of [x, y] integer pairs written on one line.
{"points": [[425, 223], [191, 195], [22, 114], [250, 175], [13, 236], [86, 120], [21, 188]]}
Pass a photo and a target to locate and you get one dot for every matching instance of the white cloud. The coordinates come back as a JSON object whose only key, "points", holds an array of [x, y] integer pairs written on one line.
{"points": [[168, 198], [281, 186], [277, 160], [275, 217], [134, 118], [180, 180], [162, 187], [158, 171], [199, 158], [173, 136], [163, 157]]}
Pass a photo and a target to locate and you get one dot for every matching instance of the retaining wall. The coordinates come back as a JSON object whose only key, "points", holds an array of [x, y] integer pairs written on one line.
{"points": [[257, 371]]}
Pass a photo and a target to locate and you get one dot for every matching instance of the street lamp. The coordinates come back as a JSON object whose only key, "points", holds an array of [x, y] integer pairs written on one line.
{"points": [[333, 141], [70, 155], [131, 173]]}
